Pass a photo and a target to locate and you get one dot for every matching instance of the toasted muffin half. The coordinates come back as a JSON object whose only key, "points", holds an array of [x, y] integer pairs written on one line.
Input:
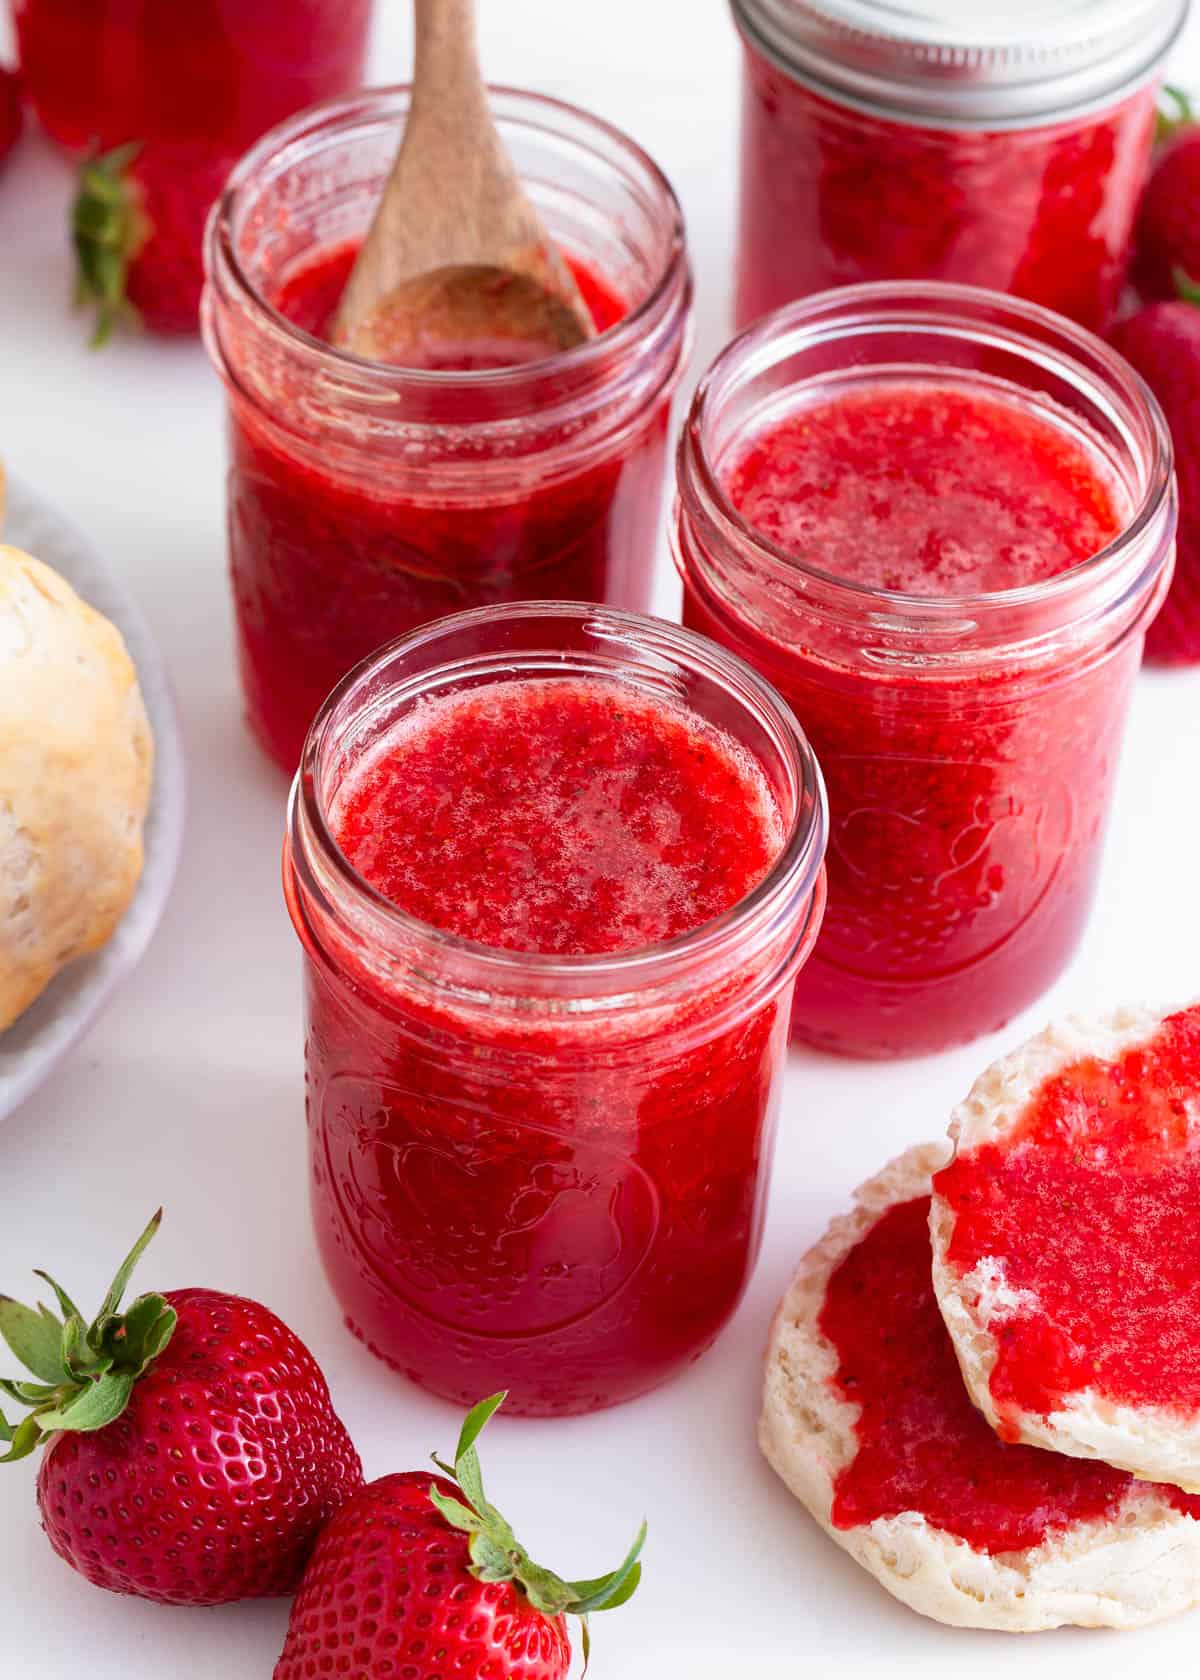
{"points": [[866, 1419]]}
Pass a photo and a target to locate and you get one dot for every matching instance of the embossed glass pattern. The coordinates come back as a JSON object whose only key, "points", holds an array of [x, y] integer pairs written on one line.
{"points": [[969, 743], [546, 1174], [366, 500]]}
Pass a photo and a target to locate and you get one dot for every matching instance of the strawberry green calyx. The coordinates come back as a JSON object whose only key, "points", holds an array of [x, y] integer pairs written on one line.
{"points": [[84, 1374], [108, 229], [496, 1554], [1175, 112]]}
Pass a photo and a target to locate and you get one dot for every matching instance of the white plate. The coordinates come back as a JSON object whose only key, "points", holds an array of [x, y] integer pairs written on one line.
{"points": [[33, 1044]]}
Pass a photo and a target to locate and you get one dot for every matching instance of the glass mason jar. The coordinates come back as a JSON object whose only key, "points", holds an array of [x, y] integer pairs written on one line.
{"points": [[969, 743], [544, 1173], [365, 499], [1002, 146], [215, 72]]}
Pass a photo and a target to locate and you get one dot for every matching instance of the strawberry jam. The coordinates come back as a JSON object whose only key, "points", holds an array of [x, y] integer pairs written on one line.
{"points": [[101, 72], [922, 1445], [619, 825], [366, 499], [884, 485], [1090, 1207], [965, 821], [926, 563], [539, 1158], [832, 196], [326, 567], [935, 141]]}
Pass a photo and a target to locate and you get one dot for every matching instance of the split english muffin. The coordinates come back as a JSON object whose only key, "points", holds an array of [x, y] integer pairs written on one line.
{"points": [[866, 1419]]}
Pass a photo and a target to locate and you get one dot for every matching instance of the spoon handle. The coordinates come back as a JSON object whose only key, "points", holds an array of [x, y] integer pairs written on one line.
{"points": [[446, 68]]}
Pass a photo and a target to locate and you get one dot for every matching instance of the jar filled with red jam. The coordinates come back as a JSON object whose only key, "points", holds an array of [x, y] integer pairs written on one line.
{"points": [[1002, 145], [554, 868], [214, 73], [939, 521], [367, 499]]}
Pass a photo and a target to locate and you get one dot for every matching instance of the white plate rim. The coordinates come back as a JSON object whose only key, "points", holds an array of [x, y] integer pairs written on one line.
{"points": [[35, 1043]]}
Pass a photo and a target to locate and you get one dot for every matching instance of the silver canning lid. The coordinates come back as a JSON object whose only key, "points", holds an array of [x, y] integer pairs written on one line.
{"points": [[998, 63]]}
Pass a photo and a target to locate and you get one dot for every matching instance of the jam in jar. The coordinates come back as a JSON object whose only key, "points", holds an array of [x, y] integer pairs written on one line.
{"points": [[1003, 146]]}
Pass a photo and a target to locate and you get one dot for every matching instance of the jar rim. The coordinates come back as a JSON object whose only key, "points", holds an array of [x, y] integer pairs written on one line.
{"points": [[391, 101], [930, 305], [758, 919], [913, 65]]}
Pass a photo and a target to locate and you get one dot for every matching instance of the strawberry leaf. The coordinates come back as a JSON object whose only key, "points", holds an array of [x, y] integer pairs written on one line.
{"points": [[456, 1514], [120, 1283], [77, 1356], [24, 1438], [1185, 287], [491, 1562], [1174, 112], [476, 1421], [497, 1556], [609, 1591], [34, 1339], [66, 1305], [29, 1394], [466, 1460], [140, 1335], [95, 1408]]}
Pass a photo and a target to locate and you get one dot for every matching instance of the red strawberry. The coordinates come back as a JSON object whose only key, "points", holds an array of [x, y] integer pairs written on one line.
{"points": [[138, 227], [420, 1576], [1167, 237], [193, 1453], [10, 110], [1163, 343]]}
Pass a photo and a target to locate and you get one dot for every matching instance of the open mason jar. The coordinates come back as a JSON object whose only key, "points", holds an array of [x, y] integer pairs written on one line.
{"points": [[969, 742], [367, 499], [545, 1172]]}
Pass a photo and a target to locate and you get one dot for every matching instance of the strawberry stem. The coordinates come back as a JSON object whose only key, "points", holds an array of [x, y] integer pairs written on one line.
{"points": [[497, 1555], [86, 1373], [108, 229]]}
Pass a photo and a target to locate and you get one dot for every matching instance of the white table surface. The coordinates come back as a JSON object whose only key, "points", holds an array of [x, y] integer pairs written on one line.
{"points": [[188, 1091]]}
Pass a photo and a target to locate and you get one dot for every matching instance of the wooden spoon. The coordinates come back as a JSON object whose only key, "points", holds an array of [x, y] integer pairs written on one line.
{"points": [[456, 265]]}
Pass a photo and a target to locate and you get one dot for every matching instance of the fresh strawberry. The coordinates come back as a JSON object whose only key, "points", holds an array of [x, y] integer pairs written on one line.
{"points": [[138, 227], [10, 110], [1163, 343], [419, 1575], [1167, 237], [192, 1454]]}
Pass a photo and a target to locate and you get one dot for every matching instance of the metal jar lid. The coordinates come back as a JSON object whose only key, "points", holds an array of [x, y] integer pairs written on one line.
{"points": [[985, 63]]}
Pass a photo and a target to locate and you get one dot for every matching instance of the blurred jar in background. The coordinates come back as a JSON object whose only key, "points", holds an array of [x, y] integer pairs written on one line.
{"points": [[100, 72], [191, 84], [1003, 146]]}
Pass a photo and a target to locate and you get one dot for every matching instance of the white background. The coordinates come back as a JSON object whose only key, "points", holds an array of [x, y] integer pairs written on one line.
{"points": [[188, 1092]]}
